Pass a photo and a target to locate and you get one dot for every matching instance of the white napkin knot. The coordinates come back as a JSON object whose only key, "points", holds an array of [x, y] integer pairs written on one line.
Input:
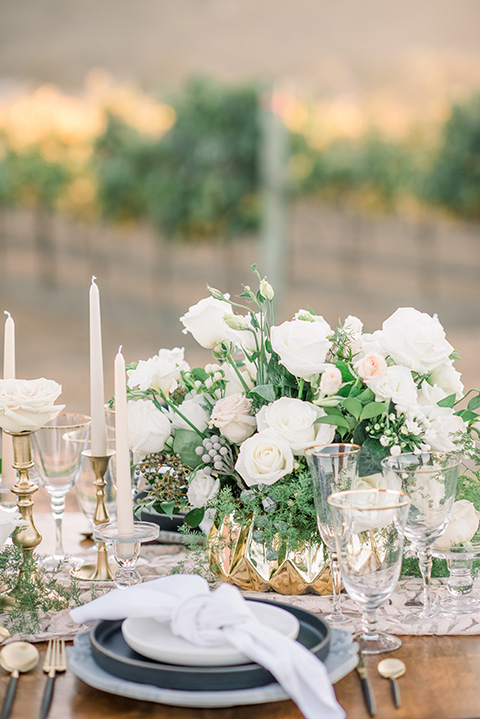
{"points": [[202, 618]]}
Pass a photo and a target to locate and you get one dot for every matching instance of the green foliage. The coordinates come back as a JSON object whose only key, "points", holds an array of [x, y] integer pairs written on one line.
{"points": [[29, 179], [454, 178], [35, 593], [200, 179]]}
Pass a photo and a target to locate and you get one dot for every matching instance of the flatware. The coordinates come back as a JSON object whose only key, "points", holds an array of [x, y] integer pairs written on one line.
{"points": [[14, 658], [55, 661], [392, 669], [366, 686]]}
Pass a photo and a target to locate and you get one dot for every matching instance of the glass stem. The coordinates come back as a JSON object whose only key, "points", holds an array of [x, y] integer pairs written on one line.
{"points": [[336, 583], [425, 564], [57, 503], [370, 624]]}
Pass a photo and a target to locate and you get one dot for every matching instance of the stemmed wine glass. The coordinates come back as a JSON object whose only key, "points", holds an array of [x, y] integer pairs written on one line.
{"points": [[58, 453], [333, 468], [430, 480], [369, 531]]}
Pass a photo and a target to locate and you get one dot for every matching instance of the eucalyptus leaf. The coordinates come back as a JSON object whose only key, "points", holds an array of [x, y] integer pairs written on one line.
{"points": [[374, 409], [337, 421], [474, 403], [447, 401], [353, 406], [265, 392], [184, 444], [194, 517]]}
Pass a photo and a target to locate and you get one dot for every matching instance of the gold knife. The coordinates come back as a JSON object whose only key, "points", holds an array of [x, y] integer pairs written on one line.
{"points": [[366, 686]]}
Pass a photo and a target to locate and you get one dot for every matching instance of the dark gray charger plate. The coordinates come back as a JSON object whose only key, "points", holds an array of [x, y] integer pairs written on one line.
{"points": [[112, 653]]}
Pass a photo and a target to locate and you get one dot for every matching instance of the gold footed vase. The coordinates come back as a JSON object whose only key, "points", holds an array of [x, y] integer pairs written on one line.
{"points": [[235, 557], [27, 537]]}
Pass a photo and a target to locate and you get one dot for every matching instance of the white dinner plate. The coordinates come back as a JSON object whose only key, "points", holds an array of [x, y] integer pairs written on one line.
{"points": [[155, 640]]}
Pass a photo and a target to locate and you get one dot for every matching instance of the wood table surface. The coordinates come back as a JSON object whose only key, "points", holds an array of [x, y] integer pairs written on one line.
{"points": [[442, 682]]}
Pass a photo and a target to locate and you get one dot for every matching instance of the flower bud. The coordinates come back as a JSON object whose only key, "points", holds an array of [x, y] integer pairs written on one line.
{"points": [[236, 322], [266, 290]]}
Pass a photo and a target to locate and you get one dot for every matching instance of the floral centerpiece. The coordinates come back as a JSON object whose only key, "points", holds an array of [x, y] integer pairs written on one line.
{"points": [[233, 434]]}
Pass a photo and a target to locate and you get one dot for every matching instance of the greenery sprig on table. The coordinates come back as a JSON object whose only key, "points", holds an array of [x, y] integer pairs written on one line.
{"points": [[33, 598]]}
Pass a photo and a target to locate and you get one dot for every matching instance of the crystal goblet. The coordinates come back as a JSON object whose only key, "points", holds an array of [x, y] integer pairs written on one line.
{"points": [[369, 532], [430, 480], [58, 453], [126, 548], [333, 468]]}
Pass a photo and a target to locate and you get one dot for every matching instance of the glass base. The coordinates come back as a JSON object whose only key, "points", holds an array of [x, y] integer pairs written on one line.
{"points": [[379, 644], [337, 619], [458, 605]]}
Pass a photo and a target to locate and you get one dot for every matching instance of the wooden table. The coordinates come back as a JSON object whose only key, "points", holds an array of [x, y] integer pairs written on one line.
{"points": [[442, 682]]}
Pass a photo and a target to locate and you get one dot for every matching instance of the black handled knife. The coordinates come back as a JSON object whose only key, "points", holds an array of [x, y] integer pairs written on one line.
{"points": [[366, 686]]}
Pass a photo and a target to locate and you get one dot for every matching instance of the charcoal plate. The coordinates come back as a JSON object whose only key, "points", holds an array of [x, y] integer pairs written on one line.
{"points": [[113, 654]]}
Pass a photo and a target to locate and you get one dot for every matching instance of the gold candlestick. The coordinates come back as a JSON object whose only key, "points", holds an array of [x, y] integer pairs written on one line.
{"points": [[99, 572], [27, 537]]}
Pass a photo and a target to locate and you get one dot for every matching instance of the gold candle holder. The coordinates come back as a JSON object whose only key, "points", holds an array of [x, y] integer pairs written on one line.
{"points": [[27, 537], [101, 571]]}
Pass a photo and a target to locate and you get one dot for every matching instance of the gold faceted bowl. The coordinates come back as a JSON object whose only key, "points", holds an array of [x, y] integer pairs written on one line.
{"points": [[235, 557]]}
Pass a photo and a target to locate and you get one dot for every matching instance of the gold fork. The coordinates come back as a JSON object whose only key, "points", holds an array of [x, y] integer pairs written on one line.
{"points": [[55, 661]]}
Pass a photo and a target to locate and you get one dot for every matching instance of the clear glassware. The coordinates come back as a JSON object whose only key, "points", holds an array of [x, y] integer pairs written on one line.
{"points": [[430, 480], [58, 454], [333, 468], [460, 580], [369, 531], [126, 549]]}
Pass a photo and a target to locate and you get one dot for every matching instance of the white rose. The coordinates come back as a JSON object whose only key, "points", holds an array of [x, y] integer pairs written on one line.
{"points": [[429, 396], [8, 522], [378, 481], [371, 343], [160, 372], [294, 421], [442, 428], [416, 340], [264, 458], [192, 409], [302, 346], [462, 526], [448, 378], [148, 428], [232, 416], [202, 488], [205, 322], [396, 384], [371, 366], [28, 404], [233, 382], [331, 379]]}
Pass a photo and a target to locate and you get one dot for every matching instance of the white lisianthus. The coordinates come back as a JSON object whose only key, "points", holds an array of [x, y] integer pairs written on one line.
{"points": [[8, 522], [192, 409], [266, 290], [371, 367], [202, 488], [416, 340], [232, 415], [302, 346], [205, 321], [264, 458], [28, 404], [294, 421], [160, 372], [448, 379], [462, 526], [331, 379], [396, 384], [148, 429]]}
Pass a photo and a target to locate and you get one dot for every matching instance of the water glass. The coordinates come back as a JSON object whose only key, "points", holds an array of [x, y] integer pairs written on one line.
{"points": [[369, 531], [430, 480]]}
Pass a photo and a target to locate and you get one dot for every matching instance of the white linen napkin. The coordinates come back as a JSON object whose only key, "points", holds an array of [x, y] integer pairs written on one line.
{"points": [[208, 618]]}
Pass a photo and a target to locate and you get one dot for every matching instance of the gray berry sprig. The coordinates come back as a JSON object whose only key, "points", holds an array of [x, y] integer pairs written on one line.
{"points": [[216, 455]]}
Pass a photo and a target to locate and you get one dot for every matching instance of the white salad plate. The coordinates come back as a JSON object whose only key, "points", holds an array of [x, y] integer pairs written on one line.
{"points": [[156, 640]]}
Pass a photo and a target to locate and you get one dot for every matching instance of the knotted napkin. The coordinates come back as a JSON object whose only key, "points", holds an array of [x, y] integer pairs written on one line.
{"points": [[208, 618]]}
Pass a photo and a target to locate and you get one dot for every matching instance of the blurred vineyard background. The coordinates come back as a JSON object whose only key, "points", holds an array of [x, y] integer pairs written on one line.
{"points": [[355, 198]]}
